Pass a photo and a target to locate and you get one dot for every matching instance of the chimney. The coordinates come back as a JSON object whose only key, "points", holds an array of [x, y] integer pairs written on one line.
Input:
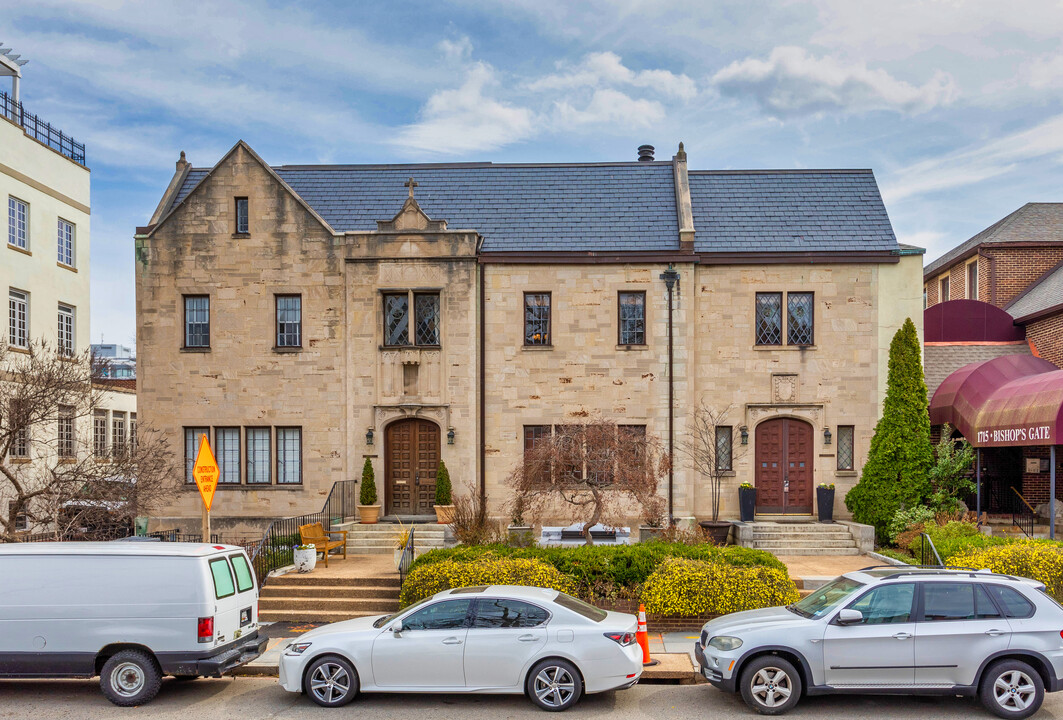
{"points": [[645, 153]]}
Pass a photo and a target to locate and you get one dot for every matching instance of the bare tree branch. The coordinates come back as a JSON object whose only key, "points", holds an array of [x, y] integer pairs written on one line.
{"points": [[703, 450]]}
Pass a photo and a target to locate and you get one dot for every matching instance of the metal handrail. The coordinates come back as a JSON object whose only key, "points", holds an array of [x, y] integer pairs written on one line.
{"points": [[40, 130], [407, 557], [927, 552]]}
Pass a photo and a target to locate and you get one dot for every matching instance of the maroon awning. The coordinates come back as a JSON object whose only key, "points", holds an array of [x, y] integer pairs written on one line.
{"points": [[1014, 400]]}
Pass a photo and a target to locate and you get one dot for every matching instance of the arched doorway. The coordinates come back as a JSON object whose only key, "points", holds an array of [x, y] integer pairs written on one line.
{"points": [[784, 467], [411, 458]]}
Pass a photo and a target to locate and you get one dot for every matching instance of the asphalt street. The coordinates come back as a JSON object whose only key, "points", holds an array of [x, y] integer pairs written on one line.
{"points": [[247, 698]]}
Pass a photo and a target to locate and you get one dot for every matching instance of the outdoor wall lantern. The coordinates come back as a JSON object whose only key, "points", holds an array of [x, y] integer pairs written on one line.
{"points": [[745, 434], [450, 436], [826, 436], [369, 436]]}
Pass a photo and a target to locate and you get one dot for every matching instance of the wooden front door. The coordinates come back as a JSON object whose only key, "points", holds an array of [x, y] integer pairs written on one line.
{"points": [[784, 467], [411, 461]]}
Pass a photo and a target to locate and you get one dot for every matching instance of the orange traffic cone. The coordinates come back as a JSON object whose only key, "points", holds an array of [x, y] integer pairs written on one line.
{"points": [[643, 638]]}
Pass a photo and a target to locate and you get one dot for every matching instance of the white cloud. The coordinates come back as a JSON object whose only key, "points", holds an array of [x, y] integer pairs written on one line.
{"points": [[611, 106], [465, 119], [606, 68], [793, 82], [456, 50]]}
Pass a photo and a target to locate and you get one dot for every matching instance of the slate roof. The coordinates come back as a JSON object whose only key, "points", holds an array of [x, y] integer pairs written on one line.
{"points": [[627, 206], [1043, 294], [941, 360], [1033, 222], [789, 211]]}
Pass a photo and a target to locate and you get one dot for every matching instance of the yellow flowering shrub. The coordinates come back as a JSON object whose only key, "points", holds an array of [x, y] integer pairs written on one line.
{"points": [[693, 587], [426, 580], [1032, 559]]}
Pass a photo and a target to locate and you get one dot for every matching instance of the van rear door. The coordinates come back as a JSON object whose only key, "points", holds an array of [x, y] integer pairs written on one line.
{"points": [[236, 596]]}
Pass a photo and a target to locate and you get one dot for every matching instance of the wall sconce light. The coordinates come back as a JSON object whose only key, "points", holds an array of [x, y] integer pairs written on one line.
{"points": [[369, 436], [826, 436], [745, 434], [450, 436]]}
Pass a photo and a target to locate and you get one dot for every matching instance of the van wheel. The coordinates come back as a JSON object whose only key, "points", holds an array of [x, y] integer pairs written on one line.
{"points": [[770, 685], [130, 677], [1012, 689], [331, 681]]}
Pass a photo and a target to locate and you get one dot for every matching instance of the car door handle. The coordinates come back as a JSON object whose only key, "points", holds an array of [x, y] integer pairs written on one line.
{"points": [[994, 632], [527, 638], [902, 636], [452, 641]]}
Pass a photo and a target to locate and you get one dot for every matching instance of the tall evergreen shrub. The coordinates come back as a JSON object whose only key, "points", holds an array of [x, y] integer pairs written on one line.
{"points": [[895, 474], [443, 490], [367, 494]]}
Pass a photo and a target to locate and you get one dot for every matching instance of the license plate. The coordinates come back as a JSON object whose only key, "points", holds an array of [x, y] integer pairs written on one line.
{"points": [[245, 617]]}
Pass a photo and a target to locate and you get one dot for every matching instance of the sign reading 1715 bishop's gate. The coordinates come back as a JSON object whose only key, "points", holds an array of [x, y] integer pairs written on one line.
{"points": [[1023, 435]]}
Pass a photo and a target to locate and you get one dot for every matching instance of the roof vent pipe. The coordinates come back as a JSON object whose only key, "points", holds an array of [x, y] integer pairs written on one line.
{"points": [[645, 153]]}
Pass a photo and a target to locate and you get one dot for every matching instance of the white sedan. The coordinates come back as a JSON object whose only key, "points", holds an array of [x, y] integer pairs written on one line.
{"points": [[497, 639]]}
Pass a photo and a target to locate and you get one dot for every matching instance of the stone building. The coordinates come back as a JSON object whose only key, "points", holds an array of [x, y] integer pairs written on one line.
{"points": [[1015, 264], [309, 317]]}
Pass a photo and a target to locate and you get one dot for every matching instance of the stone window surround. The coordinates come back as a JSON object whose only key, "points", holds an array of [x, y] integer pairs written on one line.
{"points": [[411, 302], [243, 484]]}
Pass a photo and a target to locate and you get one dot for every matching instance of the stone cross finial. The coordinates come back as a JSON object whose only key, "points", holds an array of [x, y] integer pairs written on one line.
{"points": [[411, 184]]}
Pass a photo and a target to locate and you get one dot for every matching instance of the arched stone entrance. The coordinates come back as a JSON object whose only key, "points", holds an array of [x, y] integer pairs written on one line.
{"points": [[411, 458], [784, 457]]}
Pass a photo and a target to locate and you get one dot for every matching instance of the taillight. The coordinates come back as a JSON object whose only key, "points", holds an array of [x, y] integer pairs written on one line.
{"points": [[205, 630], [621, 638]]}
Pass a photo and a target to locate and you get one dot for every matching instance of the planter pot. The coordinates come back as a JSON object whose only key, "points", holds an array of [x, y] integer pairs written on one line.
{"points": [[747, 503], [648, 534], [369, 514], [825, 503], [305, 560], [444, 514], [717, 530], [521, 535], [398, 557]]}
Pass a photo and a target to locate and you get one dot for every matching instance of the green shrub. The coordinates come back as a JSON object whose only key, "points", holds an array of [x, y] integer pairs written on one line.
{"points": [[1041, 561], [367, 495], [692, 587], [898, 555], [426, 580], [443, 489], [907, 517], [954, 537]]}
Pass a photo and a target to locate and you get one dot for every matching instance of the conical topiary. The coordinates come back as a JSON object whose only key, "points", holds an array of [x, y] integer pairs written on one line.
{"points": [[367, 495], [443, 490]]}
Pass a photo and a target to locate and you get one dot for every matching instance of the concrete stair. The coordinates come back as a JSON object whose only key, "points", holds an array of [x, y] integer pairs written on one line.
{"points": [[379, 538], [306, 598], [803, 538]]}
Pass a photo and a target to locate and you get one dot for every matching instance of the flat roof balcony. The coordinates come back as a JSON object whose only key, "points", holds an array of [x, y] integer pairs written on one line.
{"points": [[40, 130]]}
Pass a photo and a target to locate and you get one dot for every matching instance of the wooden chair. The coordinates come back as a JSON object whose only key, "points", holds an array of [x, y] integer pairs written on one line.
{"points": [[314, 534]]}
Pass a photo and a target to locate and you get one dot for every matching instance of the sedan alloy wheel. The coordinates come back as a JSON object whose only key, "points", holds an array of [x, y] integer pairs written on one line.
{"points": [[554, 685], [331, 682]]}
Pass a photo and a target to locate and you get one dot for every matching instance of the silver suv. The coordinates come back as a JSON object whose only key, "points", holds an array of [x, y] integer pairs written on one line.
{"points": [[933, 631]]}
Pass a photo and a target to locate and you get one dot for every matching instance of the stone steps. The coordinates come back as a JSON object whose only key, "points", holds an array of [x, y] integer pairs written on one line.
{"points": [[791, 544], [316, 597], [776, 535], [298, 579], [331, 604], [802, 538], [314, 616], [272, 592]]}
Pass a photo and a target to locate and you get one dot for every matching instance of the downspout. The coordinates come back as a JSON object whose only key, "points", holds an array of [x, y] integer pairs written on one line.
{"points": [[483, 384]]}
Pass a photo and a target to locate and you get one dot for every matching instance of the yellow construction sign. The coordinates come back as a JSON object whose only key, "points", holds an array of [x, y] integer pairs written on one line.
{"points": [[206, 472]]}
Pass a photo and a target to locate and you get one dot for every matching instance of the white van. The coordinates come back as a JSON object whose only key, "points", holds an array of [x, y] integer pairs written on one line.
{"points": [[128, 612]]}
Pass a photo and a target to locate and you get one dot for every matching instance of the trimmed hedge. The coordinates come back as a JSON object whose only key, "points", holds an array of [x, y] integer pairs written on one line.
{"points": [[1042, 561], [691, 587], [428, 579]]}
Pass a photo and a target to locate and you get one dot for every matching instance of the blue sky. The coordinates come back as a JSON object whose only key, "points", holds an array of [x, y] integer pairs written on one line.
{"points": [[956, 106]]}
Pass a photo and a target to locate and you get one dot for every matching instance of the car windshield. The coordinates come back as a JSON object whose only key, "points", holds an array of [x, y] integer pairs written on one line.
{"points": [[826, 598], [385, 620]]}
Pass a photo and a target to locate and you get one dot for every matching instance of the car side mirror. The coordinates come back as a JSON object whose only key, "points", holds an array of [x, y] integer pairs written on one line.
{"points": [[850, 617], [397, 628]]}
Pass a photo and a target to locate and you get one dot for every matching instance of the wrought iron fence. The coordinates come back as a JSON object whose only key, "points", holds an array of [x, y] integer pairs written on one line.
{"points": [[40, 130], [407, 557], [1023, 517]]}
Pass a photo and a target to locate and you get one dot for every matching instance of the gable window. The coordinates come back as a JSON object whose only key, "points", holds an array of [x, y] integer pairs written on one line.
{"points": [[536, 318], [289, 321], [241, 215], [845, 447], [972, 280], [943, 285], [17, 223], [197, 321], [289, 455], [18, 304], [65, 433], [99, 433], [632, 317], [65, 344], [769, 318], [259, 456], [724, 439], [421, 328], [66, 243], [227, 453], [192, 436], [799, 310]]}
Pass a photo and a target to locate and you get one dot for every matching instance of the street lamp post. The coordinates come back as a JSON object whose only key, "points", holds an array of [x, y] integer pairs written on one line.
{"points": [[671, 278]]}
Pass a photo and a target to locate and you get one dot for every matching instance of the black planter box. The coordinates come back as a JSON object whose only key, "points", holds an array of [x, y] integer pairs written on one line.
{"points": [[825, 502], [747, 503]]}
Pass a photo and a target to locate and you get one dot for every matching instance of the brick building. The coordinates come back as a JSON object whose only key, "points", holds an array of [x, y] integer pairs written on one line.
{"points": [[309, 317]]}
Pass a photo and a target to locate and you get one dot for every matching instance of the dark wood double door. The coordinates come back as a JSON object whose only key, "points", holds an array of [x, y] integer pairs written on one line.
{"points": [[411, 458], [784, 467]]}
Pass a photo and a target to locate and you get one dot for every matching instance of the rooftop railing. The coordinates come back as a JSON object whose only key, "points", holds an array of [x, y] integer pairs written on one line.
{"points": [[40, 130]]}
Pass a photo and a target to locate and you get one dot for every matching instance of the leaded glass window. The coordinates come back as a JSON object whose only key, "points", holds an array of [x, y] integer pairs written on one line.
{"points": [[769, 318], [397, 319], [536, 318], [723, 447], [632, 318], [197, 321], [192, 436], [799, 309], [426, 313], [289, 321], [845, 447], [227, 453], [289, 455], [258, 456]]}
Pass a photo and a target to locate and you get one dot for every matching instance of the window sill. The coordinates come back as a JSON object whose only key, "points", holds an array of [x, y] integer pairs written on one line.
{"points": [[727, 473], [67, 461], [784, 347], [19, 461], [63, 265], [533, 348], [15, 348], [643, 346], [845, 473], [283, 350], [16, 248], [233, 487], [241, 235], [195, 349], [411, 347]]}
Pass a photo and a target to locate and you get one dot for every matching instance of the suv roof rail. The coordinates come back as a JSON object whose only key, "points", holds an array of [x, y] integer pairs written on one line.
{"points": [[922, 569]]}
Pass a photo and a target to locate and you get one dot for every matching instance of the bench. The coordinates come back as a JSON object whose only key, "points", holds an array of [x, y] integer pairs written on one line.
{"points": [[314, 534]]}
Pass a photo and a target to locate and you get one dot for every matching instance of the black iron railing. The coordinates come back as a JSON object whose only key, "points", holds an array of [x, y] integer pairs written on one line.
{"points": [[928, 554], [407, 557], [1024, 517], [40, 130]]}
